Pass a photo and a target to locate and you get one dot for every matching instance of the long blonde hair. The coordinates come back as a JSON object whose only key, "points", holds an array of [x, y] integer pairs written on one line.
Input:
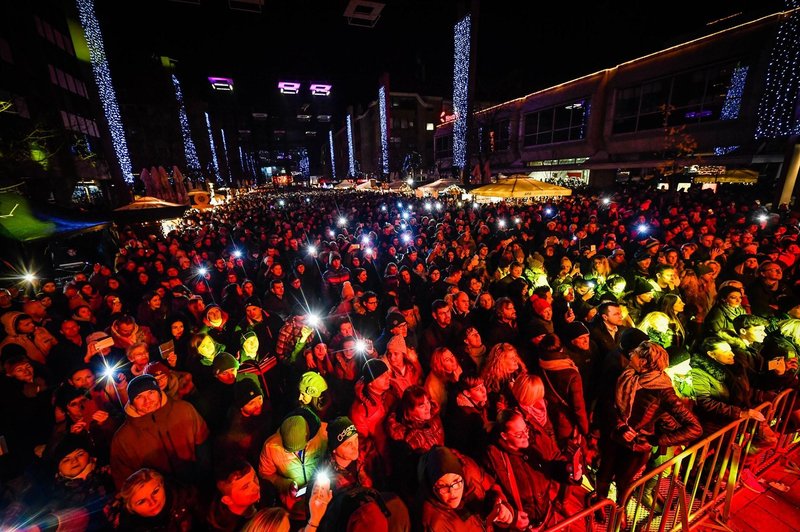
{"points": [[494, 376]]}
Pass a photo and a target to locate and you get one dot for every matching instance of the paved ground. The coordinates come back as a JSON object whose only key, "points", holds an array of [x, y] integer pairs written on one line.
{"points": [[772, 511]]}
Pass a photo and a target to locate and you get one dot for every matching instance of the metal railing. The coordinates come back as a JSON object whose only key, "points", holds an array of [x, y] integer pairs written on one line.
{"points": [[698, 482], [605, 507]]}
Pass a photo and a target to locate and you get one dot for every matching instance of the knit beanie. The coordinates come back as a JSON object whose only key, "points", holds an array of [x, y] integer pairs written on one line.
{"points": [[224, 362], [340, 430], [245, 390], [438, 462], [141, 384], [642, 287], [574, 330], [294, 433], [313, 384], [393, 320], [397, 343], [539, 304], [630, 338], [373, 369]]}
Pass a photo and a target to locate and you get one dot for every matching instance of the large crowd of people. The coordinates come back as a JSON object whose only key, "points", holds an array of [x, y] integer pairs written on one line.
{"points": [[325, 360]]}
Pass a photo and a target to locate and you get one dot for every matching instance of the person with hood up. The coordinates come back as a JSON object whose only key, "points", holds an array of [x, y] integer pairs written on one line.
{"points": [[460, 496], [215, 324], [21, 330], [160, 433], [126, 332]]}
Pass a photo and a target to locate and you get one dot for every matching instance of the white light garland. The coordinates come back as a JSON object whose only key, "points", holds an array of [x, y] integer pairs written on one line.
{"points": [[192, 161], [350, 147], [213, 150], [102, 76], [733, 100], [382, 96], [777, 106], [333, 158], [462, 33], [304, 164], [225, 154]]}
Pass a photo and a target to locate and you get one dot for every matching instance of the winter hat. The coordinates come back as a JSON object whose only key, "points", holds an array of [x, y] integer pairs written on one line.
{"points": [[630, 338], [340, 430], [245, 390], [373, 369], [438, 462], [539, 304], [224, 362], [246, 335], [574, 330], [641, 255], [394, 319], [397, 343], [69, 444], [642, 287], [157, 368], [313, 384], [294, 433], [651, 242], [140, 384], [252, 301]]}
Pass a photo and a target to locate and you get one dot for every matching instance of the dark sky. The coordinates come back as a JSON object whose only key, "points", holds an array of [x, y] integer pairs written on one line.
{"points": [[522, 46]]}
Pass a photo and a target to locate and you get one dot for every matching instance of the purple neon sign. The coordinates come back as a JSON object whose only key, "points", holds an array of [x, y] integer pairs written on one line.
{"points": [[289, 87], [221, 84]]}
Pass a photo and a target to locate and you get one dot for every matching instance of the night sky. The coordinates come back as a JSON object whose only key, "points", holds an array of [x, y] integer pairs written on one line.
{"points": [[522, 46]]}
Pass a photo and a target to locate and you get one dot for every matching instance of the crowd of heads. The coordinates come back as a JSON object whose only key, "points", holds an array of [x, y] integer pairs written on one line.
{"points": [[343, 359]]}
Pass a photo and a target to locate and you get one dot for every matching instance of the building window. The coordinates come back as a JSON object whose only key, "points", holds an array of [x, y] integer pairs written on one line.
{"points": [[443, 146], [502, 135], [688, 97], [562, 123], [429, 126]]}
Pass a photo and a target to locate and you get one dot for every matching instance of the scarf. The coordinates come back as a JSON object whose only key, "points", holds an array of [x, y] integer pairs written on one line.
{"points": [[731, 312], [557, 364], [537, 411], [631, 381]]}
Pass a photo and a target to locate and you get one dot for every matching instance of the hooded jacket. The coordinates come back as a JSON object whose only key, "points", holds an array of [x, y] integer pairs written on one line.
{"points": [[166, 440], [37, 345]]}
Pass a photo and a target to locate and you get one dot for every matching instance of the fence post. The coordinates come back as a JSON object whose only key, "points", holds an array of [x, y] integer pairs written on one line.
{"points": [[733, 475]]}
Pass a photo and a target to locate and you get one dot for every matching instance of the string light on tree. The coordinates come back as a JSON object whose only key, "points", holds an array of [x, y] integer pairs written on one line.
{"points": [[192, 161], [733, 100], [350, 150], [304, 164], [384, 130], [241, 158], [225, 153], [462, 33], [102, 76], [213, 150], [776, 110], [333, 158]]}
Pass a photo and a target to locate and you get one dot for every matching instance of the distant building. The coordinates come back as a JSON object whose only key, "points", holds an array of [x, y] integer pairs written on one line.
{"points": [[699, 104], [412, 121]]}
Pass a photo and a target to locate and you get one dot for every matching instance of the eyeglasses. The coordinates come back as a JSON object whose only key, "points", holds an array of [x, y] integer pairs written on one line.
{"points": [[444, 489], [521, 434]]}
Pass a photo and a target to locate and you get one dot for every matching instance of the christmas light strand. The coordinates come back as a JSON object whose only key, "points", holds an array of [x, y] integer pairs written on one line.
{"points": [[304, 164], [213, 150], [102, 76], [384, 130], [241, 158], [350, 148], [192, 161], [333, 157], [777, 106], [733, 100], [225, 154], [460, 90]]}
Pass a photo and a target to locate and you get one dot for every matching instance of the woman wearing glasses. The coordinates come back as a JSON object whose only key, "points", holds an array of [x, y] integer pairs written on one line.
{"points": [[459, 495]]}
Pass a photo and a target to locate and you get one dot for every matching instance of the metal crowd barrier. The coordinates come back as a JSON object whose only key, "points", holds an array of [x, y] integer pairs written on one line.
{"points": [[700, 481]]}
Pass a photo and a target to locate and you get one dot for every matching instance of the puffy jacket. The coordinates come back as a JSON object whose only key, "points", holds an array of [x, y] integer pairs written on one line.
{"points": [[419, 436], [717, 403], [166, 440], [369, 416]]}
